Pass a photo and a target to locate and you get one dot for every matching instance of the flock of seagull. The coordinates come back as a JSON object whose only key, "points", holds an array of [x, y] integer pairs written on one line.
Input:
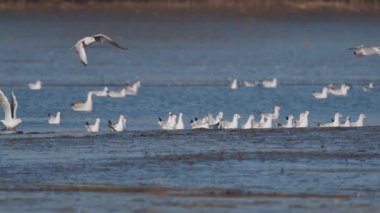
{"points": [[266, 121], [173, 121]]}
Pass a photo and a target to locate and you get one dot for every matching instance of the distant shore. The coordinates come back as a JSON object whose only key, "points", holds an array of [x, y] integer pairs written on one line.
{"points": [[353, 6]]}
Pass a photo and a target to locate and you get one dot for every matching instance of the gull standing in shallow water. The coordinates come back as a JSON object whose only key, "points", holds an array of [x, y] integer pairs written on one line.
{"points": [[368, 87], [359, 122], [169, 123], [365, 50], [10, 120], [88, 40], [234, 84], [303, 122], [93, 127], [180, 124], [249, 123], [35, 85], [231, 125], [321, 95], [84, 107], [275, 115], [101, 93], [335, 122], [54, 119], [269, 84], [120, 126]]}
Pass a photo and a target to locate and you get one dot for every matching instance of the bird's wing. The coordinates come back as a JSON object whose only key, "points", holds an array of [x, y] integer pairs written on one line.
{"points": [[14, 105], [6, 107], [111, 126], [103, 38], [358, 47], [82, 53]]}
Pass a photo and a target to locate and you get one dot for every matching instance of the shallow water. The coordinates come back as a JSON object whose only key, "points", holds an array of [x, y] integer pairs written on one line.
{"points": [[186, 61]]}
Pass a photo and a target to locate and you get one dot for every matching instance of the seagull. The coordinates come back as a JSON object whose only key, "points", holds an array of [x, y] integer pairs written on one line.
{"points": [[342, 91], [117, 94], [359, 122], [93, 127], [365, 50], [249, 84], [199, 124], [54, 119], [179, 124], [10, 121], [120, 126], [169, 123], [101, 93], [347, 123], [231, 125], [321, 95], [368, 87], [266, 122], [303, 121], [35, 85], [335, 122], [88, 40], [275, 115], [269, 83], [234, 84], [84, 107], [289, 123], [133, 89], [248, 124]]}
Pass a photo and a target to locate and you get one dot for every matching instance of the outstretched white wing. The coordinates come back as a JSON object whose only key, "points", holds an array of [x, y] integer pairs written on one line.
{"points": [[14, 105], [79, 48], [103, 38], [6, 107]]}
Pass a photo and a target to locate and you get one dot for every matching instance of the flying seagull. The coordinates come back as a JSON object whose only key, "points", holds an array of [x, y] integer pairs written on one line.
{"points": [[10, 121], [365, 50], [88, 40]]}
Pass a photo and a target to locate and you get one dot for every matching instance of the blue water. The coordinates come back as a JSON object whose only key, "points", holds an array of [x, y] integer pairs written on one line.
{"points": [[186, 60]]}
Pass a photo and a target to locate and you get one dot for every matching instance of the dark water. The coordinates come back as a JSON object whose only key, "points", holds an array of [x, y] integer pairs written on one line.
{"points": [[186, 61]]}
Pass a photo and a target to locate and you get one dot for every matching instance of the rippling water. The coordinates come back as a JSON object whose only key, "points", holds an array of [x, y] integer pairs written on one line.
{"points": [[186, 61]]}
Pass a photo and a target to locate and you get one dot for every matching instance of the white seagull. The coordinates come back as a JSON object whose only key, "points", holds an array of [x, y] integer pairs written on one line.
{"points": [[342, 91], [368, 87], [321, 95], [347, 123], [54, 119], [88, 40], [170, 123], [359, 122], [365, 50], [303, 121], [335, 122], [231, 125], [249, 84], [179, 124], [234, 84], [289, 122], [35, 85], [133, 89], [93, 127], [84, 107], [120, 126], [249, 123], [101, 93], [269, 83], [10, 120], [117, 94], [275, 115]]}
